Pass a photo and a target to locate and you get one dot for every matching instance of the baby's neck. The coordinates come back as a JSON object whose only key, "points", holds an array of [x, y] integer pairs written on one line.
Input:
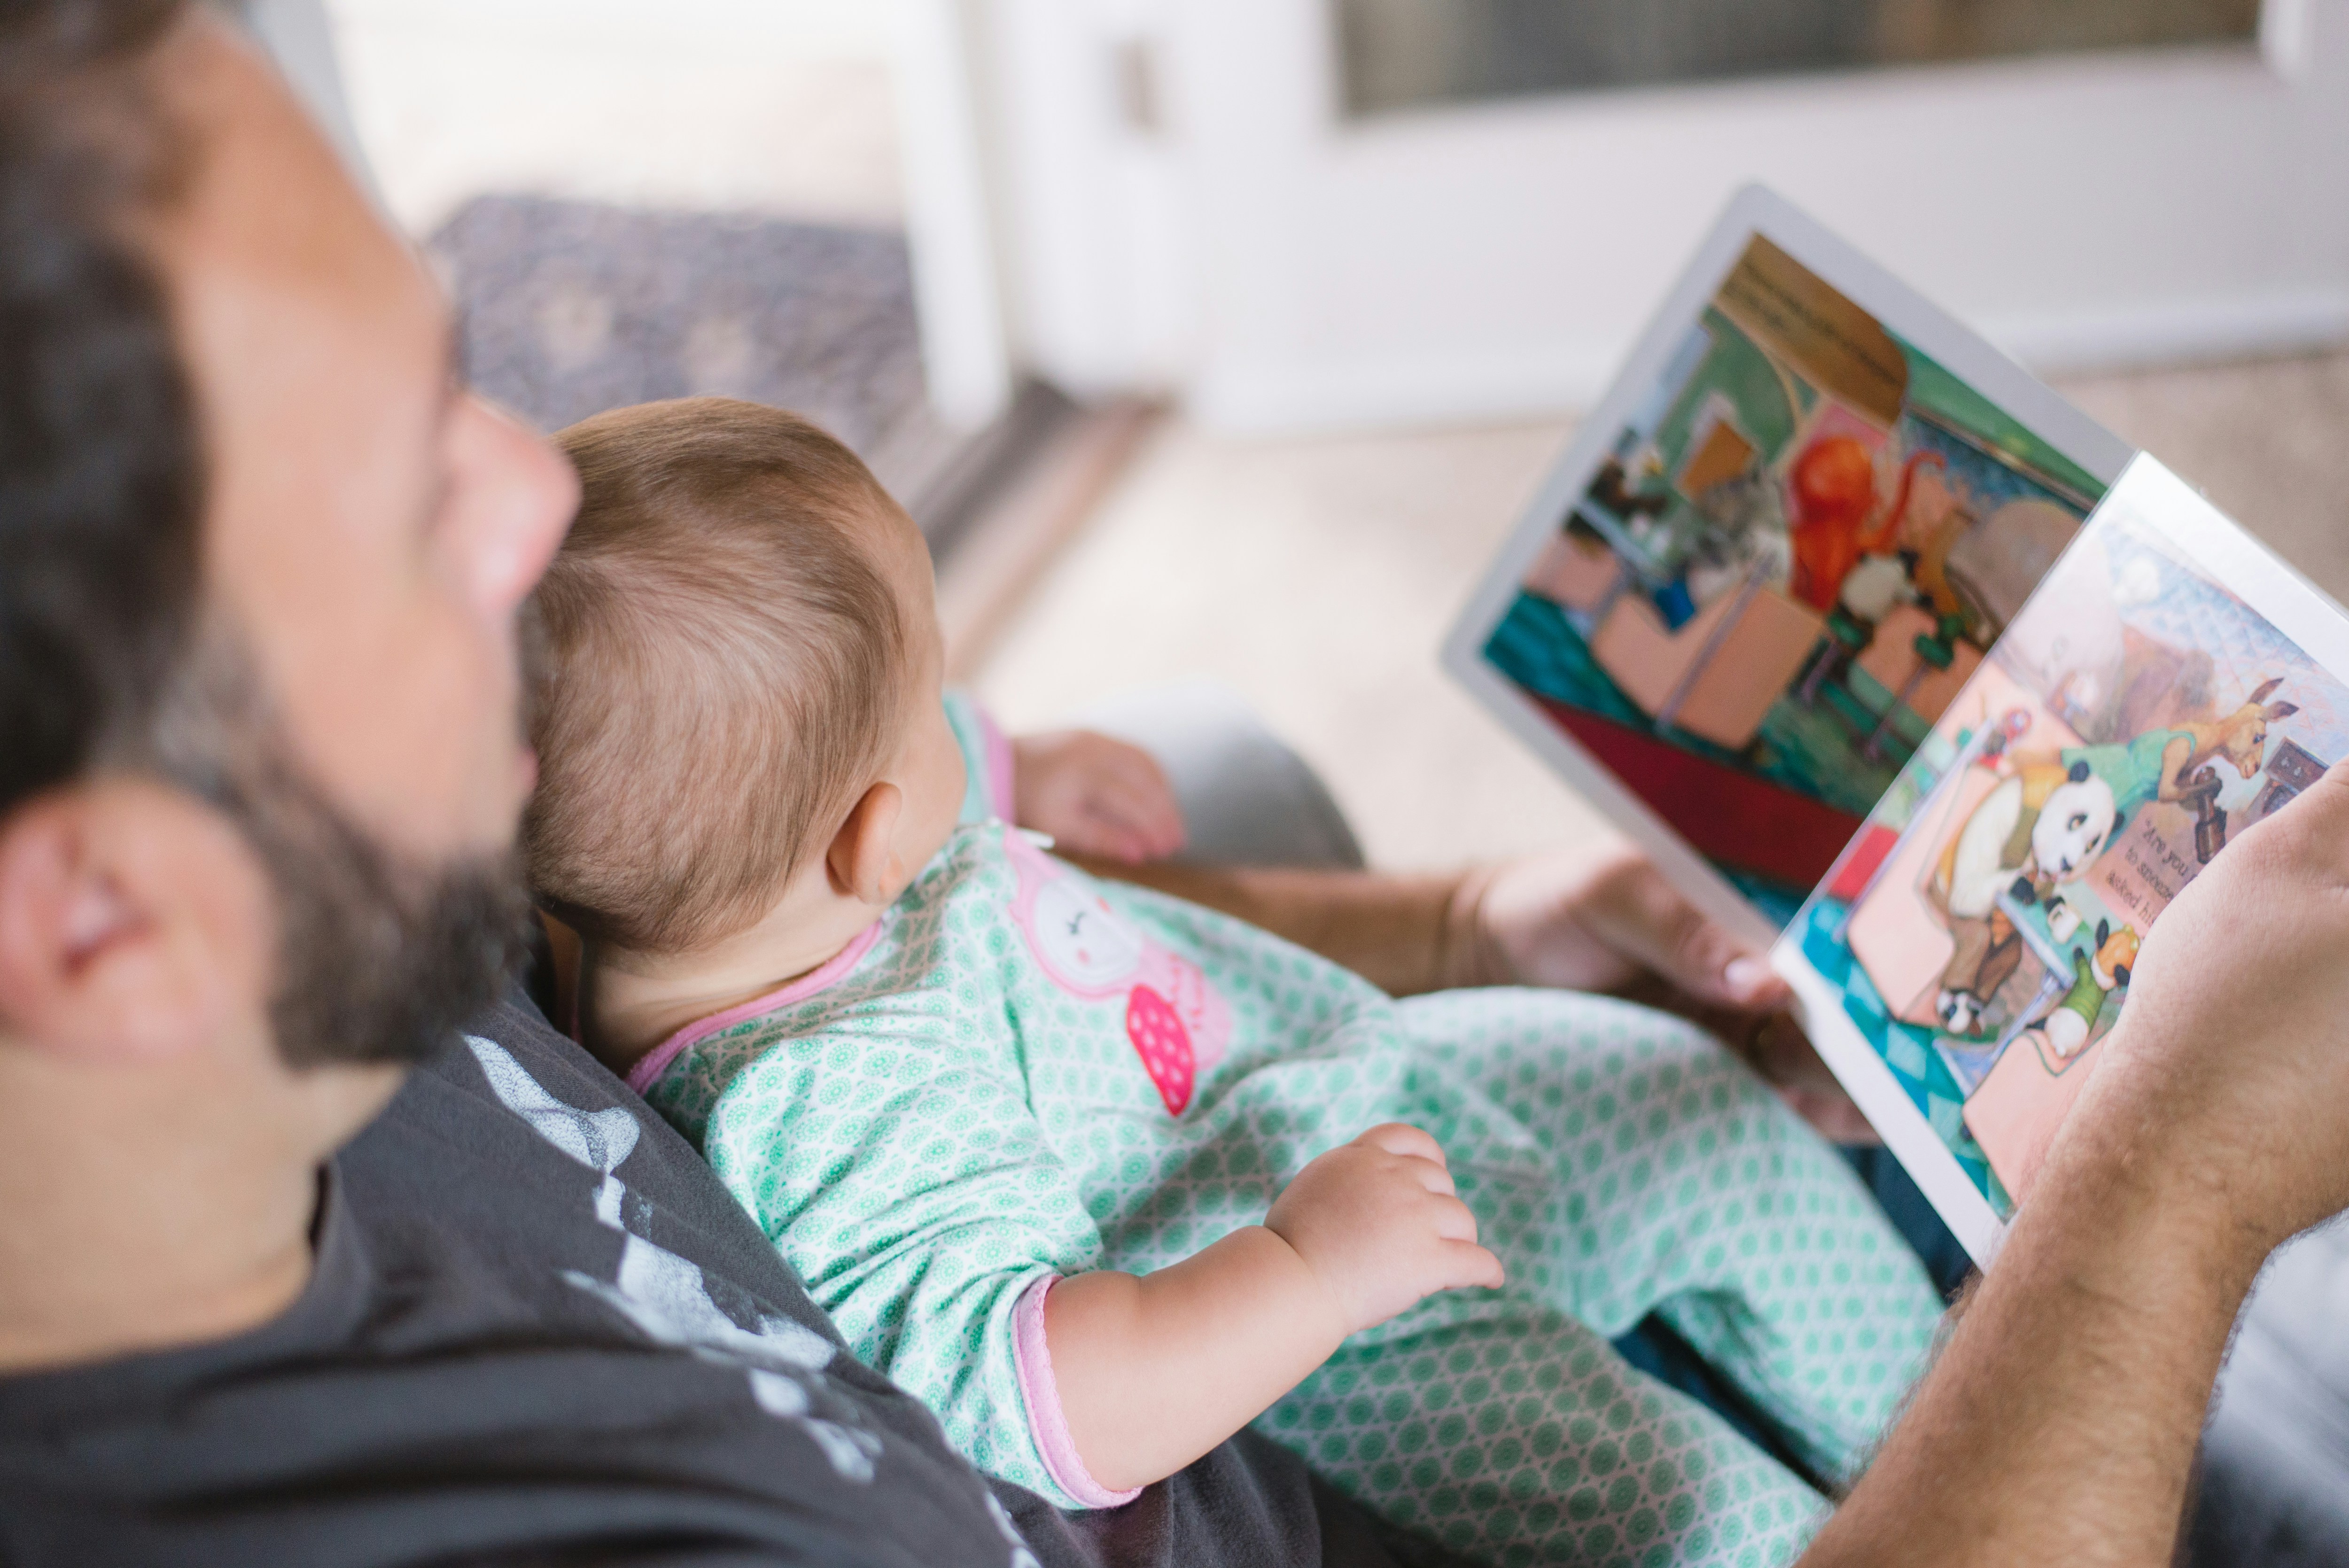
{"points": [[629, 1002]]}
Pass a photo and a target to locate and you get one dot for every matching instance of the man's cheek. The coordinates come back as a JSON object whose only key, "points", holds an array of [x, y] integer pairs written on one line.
{"points": [[441, 765]]}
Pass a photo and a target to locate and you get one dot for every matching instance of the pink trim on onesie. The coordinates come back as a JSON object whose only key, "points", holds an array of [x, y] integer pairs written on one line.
{"points": [[1046, 1419], [647, 1072], [999, 762]]}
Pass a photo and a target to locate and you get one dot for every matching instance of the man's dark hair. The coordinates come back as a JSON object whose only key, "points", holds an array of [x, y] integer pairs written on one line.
{"points": [[101, 479], [110, 658]]}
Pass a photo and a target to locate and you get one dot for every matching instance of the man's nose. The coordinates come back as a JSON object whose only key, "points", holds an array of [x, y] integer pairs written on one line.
{"points": [[526, 495]]}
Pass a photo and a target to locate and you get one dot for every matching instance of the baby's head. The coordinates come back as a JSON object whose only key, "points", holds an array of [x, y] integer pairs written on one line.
{"points": [[737, 711]]}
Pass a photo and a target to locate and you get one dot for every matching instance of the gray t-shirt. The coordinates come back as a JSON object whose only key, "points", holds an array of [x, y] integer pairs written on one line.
{"points": [[540, 1332]]}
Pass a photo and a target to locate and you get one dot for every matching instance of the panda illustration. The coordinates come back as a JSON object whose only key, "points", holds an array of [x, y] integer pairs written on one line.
{"points": [[2043, 827]]}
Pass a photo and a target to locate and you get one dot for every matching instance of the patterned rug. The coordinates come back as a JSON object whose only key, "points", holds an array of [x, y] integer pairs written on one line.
{"points": [[573, 307]]}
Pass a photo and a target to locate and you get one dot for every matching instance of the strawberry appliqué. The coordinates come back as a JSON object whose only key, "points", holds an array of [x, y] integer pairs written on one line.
{"points": [[1163, 1043], [1176, 1022]]}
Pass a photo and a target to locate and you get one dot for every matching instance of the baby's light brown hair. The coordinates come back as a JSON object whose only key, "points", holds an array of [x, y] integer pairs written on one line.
{"points": [[719, 669]]}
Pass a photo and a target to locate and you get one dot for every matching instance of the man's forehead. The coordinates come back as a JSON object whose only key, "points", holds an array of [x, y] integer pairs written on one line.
{"points": [[316, 346], [269, 215]]}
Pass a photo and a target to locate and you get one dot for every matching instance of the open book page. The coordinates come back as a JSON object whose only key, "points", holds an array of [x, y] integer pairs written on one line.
{"points": [[2168, 685], [1775, 554]]}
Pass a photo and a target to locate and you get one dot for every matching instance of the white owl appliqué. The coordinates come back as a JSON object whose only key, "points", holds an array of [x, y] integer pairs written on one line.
{"points": [[1177, 1024]]}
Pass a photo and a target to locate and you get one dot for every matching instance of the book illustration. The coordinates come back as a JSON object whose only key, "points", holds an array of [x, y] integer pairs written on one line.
{"points": [[1783, 570], [1979, 931], [1890, 658]]}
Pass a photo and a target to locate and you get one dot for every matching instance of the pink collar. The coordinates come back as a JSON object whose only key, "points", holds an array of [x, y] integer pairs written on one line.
{"points": [[647, 1072]]}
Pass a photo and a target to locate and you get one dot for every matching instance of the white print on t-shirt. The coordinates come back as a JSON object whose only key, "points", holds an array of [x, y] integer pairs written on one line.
{"points": [[667, 1298], [1020, 1556]]}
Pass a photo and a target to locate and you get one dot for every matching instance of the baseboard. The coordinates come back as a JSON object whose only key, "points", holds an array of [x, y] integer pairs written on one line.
{"points": [[2137, 336], [1545, 382]]}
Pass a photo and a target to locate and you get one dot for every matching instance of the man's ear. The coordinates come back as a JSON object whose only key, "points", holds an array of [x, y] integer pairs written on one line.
{"points": [[862, 860], [134, 924]]}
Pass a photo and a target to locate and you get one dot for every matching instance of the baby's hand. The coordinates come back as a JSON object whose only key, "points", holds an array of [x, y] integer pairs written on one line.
{"points": [[1377, 1221], [1095, 796]]}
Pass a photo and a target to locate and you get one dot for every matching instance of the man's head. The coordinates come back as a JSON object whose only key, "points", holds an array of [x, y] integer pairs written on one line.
{"points": [[260, 556], [740, 660]]}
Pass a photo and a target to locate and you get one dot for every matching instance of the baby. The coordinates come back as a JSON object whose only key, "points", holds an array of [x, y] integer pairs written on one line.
{"points": [[1101, 1176]]}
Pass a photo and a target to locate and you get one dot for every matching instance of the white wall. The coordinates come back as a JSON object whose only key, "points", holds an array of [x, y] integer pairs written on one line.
{"points": [[1094, 226], [1494, 261]]}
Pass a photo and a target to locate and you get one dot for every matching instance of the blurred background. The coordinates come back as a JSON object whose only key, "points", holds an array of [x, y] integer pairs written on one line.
{"points": [[1229, 338]]}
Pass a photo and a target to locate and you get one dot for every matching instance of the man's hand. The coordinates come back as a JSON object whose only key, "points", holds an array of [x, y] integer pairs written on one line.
{"points": [[1377, 1222], [1611, 923], [2059, 1424], [1095, 796], [2231, 1058]]}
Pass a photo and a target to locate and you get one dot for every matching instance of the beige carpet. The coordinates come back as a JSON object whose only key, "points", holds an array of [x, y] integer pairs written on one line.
{"points": [[1318, 577]]}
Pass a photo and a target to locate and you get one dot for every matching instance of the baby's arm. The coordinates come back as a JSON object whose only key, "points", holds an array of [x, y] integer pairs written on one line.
{"points": [[1095, 795], [1154, 1371]]}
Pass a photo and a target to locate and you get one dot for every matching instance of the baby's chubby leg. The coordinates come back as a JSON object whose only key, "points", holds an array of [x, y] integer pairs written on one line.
{"points": [[1678, 1182], [1526, 1438]]}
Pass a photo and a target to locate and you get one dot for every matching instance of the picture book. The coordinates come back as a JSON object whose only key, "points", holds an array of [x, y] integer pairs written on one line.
{"points": [[2169, 685], [1900, 665]]}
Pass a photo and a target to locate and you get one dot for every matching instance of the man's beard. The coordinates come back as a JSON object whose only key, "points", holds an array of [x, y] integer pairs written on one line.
{"points": [[379, 955]]}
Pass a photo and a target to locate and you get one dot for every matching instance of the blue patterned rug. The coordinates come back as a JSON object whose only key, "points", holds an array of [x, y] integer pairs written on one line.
{"points": [[573, 307]]}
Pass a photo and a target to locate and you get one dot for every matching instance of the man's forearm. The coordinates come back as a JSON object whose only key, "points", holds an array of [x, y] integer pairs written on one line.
{"points": [[1404, 934], [2059, 1425]]}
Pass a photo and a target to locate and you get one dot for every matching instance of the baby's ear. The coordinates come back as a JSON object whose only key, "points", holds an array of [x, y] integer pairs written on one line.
{"points": [[860, 863]]}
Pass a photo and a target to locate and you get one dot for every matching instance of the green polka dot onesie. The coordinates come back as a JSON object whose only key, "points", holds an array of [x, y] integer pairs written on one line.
{"points": [[1020, 1074]]}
